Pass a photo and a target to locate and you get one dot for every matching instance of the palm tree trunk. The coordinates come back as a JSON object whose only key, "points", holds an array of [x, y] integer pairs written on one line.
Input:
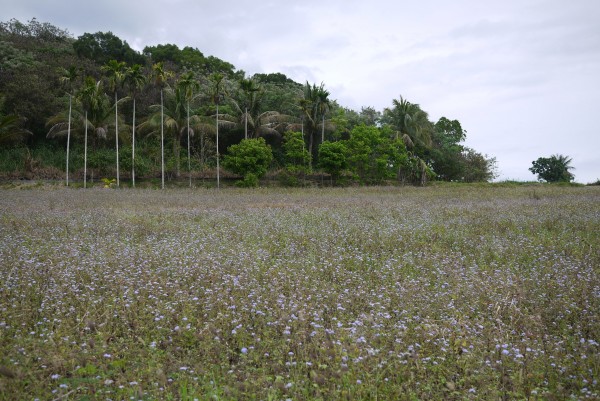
{"points": [[85, 153], [323, 129], [133, 148], [117, 137], [246, 124], [68, 138], [162, 141], [188, 144], [218, 182]]}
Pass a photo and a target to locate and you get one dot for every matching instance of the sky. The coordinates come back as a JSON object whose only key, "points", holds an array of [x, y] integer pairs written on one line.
{"points": [[521, 76]]}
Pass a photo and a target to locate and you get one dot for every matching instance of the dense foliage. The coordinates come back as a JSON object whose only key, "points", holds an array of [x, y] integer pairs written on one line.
{"points": [[95, 95], [553, 169], [250, 158]]}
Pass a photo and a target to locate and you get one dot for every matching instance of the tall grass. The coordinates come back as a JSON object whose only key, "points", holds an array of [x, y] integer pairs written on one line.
{"points": [[372, 293]]}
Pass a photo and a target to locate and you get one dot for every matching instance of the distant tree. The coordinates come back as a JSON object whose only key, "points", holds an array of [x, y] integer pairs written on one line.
{"points": [[115, 72], [216, 93], [250, 158], [297, 157], [68, 77], [313, 104], [446, 153], [369, 116], [186, 86], [477, 167], [332, 158], [11, 130], [553, 169], [134, 79], [160, 75], [105, 46], [373, 155]]}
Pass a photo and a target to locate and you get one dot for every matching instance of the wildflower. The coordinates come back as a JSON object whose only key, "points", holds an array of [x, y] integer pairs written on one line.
{"points": [[244, 350]]}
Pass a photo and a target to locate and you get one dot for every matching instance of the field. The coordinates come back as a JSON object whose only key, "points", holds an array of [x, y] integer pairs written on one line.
{"points": [[444, 292]]}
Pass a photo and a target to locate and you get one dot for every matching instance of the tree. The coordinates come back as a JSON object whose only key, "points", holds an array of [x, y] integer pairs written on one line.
{"points": [[553, 169], [115, 72], [172, 118], [446, 154], [313, 106], [11, 131], [297, 157], [410, 122], [247, 112], [477, 167], [250, 158], [332, 158], [135, 79], [216, 92], [92, 111], [160, 79], [187, 84], [68, 77], [105, 46], [372, 155]]}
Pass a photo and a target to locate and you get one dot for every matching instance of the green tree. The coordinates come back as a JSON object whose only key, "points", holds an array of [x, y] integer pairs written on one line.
{"points": [[92, 111], [115, 73], [160, 76], [250, 158], [105, 46], [247, 112], [11, 130], [216, 94], [313, 106], [332, 158], [134, 79], [553, 169], [171, 117], [187, 84], [68, 77], [446, 154], [373, 155], [297, 157]]}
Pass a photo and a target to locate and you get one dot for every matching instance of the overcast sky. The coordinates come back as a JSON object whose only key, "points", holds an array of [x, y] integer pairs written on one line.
{"points": [[522, 76]]}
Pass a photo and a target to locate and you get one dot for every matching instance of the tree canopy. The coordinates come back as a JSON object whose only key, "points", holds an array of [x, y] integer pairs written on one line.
{"points": [[44, 68]]}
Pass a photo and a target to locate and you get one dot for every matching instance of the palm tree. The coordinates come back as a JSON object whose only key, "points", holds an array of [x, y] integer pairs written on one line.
{"points": [[411, 123], [313, 106], [160, 79], [323, 105], [216, 92], [250, 89], [11, 130], [247, 112], [68, 76], [91, 111], [135, 79], [173, 116], [187, 84], [115, 71]]}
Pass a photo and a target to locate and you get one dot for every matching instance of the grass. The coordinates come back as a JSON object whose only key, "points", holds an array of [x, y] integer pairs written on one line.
{"points": [[446, 292]]}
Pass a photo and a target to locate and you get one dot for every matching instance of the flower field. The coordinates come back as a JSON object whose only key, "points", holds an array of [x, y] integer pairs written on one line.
{"points": [[445, 292]]}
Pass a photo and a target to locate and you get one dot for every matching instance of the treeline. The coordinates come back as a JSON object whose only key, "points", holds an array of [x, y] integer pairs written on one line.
{"points": [[96, 108]]}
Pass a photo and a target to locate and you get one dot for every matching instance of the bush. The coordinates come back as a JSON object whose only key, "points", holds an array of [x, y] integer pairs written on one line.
{"points": [[250, 157]]}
